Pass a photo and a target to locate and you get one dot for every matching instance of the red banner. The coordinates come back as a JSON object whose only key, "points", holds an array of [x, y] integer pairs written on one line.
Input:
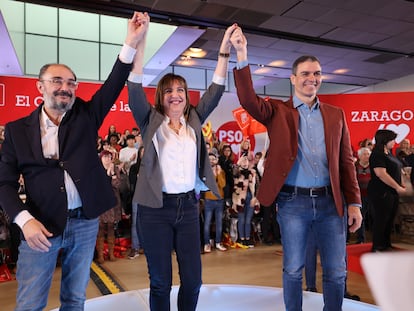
{"points": [[367, 113], [19, 97]]}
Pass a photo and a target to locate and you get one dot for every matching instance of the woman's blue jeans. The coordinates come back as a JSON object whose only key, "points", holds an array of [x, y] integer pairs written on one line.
{"points": [[175, 226], [299, 216], [134, 227], [213, 207], [35, 269], [244, 223]]}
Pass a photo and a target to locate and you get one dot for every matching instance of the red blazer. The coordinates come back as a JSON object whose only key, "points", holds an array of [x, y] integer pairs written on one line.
{"points": [[282, 122]]}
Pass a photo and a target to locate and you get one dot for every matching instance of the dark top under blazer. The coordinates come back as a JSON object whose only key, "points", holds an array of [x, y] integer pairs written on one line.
{"points": [[44, 182], [281, 120], [148, 190]]}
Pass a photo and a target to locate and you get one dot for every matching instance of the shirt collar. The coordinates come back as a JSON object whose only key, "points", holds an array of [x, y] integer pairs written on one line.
{"points": [[297, 102], [182, 120], [45, 121]]}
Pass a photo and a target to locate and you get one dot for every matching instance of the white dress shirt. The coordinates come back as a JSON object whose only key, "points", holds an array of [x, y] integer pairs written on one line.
{"points": [[178, 157]]}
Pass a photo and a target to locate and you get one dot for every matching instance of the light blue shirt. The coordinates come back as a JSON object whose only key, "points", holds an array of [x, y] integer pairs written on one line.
{"points": [[311, 164]]}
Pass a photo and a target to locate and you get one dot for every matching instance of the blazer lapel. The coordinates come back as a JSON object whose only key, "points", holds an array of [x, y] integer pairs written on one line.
{"points": [[32, 132]]}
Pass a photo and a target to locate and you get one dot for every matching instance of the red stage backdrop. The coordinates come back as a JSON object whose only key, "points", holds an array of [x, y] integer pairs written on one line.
{"points": [[19, 97], [365, 113]]}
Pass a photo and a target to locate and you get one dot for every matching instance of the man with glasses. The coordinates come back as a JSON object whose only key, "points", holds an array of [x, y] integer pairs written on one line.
{"points": [[66, 185], [309, 171]]}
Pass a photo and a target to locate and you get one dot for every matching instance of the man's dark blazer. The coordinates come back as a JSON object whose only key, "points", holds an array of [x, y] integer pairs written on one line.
{"points": [[281, 120], [22, 153]]}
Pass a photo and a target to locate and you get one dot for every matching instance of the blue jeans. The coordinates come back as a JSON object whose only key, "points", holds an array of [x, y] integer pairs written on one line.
{"points": [[35, 269], [210, 207], [298, 217], [175, 226], [244, 223], [134, 227]]}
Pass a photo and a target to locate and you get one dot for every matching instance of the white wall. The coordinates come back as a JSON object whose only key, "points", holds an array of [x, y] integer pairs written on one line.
{"points": [[404, 84]]}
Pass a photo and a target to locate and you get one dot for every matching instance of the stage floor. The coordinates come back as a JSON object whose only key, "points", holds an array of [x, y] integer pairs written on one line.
{"points": [[220, 297]]}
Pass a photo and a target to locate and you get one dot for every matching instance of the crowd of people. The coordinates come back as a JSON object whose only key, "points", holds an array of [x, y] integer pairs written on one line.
{"points": [[184, 193]]}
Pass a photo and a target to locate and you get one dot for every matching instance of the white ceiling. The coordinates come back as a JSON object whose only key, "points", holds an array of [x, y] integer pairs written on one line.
{"points": [[9, 63], [372, 39]]}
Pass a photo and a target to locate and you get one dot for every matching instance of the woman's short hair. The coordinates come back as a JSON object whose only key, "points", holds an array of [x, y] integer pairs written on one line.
{"points": [[166, 82]]}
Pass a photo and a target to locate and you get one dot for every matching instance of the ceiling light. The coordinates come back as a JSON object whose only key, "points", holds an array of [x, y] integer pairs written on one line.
{"points": [[277, 63], [340, 71], [195, 50]]}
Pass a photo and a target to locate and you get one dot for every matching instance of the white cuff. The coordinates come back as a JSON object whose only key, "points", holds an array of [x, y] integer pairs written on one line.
{"points": [[135, 77], [242, 64], [219, 80], [127, 54], [22, 218]]}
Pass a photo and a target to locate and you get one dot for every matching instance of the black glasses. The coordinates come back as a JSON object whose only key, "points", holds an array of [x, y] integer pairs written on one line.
{"points": [[58, 82]]}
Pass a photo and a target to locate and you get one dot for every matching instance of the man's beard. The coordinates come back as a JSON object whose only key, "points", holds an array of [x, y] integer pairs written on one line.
{"points": [[62, 106]]}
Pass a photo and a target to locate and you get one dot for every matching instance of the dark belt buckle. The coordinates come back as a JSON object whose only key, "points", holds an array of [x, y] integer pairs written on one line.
{"points": [[313, 193]]}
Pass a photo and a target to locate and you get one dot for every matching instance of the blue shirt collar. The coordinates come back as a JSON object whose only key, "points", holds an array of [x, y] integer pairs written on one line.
{"points": [[297, 102]]}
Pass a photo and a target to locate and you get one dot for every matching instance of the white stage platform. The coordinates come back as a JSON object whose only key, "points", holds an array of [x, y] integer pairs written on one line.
{"points": [[220, 297]]}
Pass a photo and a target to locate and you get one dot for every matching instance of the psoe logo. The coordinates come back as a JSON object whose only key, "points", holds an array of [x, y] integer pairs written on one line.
{"points": [[2, 95]]}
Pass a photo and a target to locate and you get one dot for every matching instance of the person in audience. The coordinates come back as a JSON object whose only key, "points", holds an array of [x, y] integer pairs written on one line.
{"points": [[107, 146], [99, 144], [112, 130], [384, 189], [214, 205], [226, 162], [366, 143], [210, 149], [215, 141], [310, 171], [270, 227], [244, 200], [245, 150], [113, 142], [123, 138], [128, 155], [403, 149], [109, 220], [135, 240], [54, 149], [364, 176], [174, 167], [135, 131]]}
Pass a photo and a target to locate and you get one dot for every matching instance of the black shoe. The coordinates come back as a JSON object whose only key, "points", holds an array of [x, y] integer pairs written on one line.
{"points": [[249, 243], [311, 289], [353, 297]]}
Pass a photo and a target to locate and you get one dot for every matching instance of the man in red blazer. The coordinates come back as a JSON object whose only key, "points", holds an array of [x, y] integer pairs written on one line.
{"points": [[54, 149], [309, 172]]}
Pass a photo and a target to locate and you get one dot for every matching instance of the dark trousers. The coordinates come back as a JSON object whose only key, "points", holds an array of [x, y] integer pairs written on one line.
{"points": [[270, 226], [384, 209], [175, 226]]}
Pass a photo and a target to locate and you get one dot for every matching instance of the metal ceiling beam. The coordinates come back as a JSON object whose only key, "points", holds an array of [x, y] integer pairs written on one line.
{"points": [[123, 9]]}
